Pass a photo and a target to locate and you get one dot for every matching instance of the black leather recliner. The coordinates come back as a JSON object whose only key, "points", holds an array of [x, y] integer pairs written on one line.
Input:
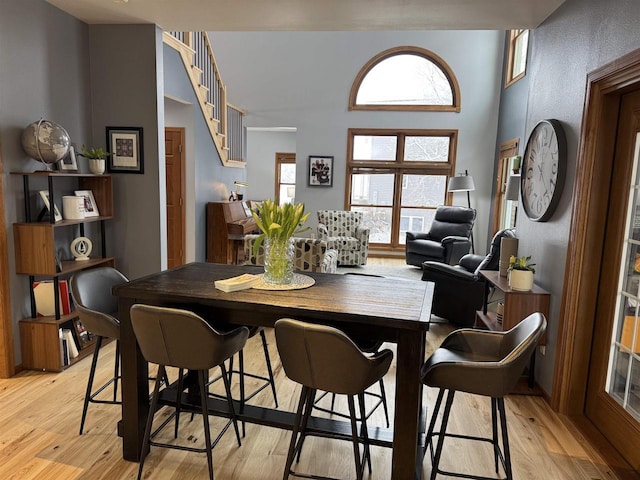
{"points": [[448, 239], [459, 289]]}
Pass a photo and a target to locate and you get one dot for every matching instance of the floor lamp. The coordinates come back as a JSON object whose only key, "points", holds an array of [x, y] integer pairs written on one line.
{"points": [[464, 183]]}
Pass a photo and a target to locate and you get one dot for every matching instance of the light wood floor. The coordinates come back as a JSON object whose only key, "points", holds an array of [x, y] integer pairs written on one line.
{"points": [[40, 417]]}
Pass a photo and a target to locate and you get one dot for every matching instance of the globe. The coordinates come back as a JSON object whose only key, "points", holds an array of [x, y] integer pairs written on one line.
{"points": [[45, 141]]}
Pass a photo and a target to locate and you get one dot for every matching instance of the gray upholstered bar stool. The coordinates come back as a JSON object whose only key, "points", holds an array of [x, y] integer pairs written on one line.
{"points": [[98, 312], [482, 363], [177, 338], [315, 356]]}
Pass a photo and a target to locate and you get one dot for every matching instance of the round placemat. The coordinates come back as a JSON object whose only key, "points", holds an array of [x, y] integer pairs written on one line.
{"points": [[299, 281]]}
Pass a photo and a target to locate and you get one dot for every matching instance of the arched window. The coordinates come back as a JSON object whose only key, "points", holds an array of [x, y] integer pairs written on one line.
{"points": [[405, 78]]}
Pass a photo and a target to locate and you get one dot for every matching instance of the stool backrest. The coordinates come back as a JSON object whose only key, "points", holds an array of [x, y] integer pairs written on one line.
{"points": [[324, 358], [180, 338], [96, 306]]}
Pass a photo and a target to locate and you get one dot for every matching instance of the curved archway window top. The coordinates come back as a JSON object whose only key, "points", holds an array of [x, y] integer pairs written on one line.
{"points": [[405, 78]]}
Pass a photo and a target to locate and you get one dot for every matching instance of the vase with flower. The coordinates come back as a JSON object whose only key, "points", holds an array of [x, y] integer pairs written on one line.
{"points": [[278, 224], [521, 272]]}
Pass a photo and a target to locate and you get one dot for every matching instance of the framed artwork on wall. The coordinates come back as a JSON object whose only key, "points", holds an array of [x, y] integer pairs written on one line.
{"points": [[320, 171], [125, 146]]}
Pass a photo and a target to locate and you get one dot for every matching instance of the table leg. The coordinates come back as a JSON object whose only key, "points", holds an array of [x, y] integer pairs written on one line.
{"points": [[406, 458], [135, 386]]}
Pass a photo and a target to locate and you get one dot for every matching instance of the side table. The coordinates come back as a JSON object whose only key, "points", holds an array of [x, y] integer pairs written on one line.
{"points": [[517, 306]]}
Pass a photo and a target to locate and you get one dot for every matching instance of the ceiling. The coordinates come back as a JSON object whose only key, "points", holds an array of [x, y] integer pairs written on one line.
{"points": [[314, 15]]}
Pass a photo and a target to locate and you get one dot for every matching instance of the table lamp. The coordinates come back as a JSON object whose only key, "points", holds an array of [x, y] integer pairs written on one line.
{"points": [[237, 195]]}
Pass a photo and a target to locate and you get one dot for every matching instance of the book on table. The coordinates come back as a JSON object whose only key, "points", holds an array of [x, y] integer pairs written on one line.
{"points": [[241, 282]]}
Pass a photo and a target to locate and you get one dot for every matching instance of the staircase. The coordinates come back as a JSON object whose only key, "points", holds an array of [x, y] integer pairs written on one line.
{"points": [[223, 119]]}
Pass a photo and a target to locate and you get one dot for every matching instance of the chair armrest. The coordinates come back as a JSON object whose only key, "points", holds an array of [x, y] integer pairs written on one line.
{"points": [[471, 261], [323, 232], [417, 236], [434, 270], [481, 343], [362, 234], [454, 248]]}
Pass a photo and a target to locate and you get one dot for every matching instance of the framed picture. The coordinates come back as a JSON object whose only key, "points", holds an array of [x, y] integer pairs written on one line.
{"points": [[90, 205], [44, 194], [69, 163], [320, 171], [125, 146]]}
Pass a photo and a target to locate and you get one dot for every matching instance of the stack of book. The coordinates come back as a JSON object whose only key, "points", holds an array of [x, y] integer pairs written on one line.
{"points": [[240, 282]]}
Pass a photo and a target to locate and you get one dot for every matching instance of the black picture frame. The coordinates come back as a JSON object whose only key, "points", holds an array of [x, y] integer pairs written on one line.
{"points": [[125, 147], [320, 171]]}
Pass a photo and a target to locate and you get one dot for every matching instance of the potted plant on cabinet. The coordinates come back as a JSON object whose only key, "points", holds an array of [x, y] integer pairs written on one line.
{"points": [[521, 273], [96, 158]]}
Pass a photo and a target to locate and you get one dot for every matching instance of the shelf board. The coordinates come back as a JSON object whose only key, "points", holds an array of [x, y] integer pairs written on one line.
{"points": [[489, 320], [51, 319], [66, 223], [47, 173]]}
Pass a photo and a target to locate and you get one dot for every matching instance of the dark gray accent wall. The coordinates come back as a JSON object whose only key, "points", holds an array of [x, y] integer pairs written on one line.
{"points": [[579, 37], [44, 72]]}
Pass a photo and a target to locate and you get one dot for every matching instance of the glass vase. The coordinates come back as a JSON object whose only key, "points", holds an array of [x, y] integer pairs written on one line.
{"points": [[278, 260]]}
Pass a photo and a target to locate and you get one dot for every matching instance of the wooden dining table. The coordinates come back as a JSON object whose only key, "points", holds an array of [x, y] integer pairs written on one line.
{"points": [[388, 309]]}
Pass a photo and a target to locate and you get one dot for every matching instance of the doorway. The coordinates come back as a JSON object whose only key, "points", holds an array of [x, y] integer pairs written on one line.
{"points": [[595, 254], [175, 180]]}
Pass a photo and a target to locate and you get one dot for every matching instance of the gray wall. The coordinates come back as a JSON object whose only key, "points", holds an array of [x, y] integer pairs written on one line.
{"points": [[303, 80], [262, 146], [579, 37], [44, 72]]}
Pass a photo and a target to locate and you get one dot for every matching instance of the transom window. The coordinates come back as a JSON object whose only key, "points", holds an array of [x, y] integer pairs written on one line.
{"points": [[517, 60], [398, 179], [405, 78], [285, 178]]}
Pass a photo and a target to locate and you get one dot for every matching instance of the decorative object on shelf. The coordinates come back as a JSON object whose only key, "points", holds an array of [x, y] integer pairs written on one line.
{"points": [[544, 166], [45, 141], [320, 171], [81, 249], [96, 157], [508, 249], [73, 207], [90, 205], [69, 163], [521, 272], [277, 224], [237, 195], [125, 144], [44, 194], [500, 313], [463, 183]]}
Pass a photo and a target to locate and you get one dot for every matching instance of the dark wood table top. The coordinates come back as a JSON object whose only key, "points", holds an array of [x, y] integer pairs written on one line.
{"points": [[356, 299]]}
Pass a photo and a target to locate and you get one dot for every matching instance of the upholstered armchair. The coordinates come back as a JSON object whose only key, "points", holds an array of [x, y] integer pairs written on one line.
{"points": [[459, 290], [343, 231], [311, 255], [448, 239]]}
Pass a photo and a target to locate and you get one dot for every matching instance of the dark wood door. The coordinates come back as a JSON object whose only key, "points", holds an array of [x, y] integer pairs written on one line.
{"points": [[613, 390], [174, 164]]}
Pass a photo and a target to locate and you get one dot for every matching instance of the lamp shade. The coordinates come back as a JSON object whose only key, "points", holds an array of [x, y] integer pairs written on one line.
{"points": [[461, 183], [513, 188], [238, 183]]}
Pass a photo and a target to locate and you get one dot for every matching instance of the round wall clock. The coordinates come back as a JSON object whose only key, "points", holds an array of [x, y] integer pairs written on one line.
{"points": [[544, 165]]}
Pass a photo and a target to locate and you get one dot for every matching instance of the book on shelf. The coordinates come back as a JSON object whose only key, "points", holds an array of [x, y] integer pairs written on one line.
{"points": [[64, 349], [71, 343], [45, 300], [241, 282]]}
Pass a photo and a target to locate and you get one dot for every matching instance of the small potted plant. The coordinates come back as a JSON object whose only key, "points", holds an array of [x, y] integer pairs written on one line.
{"points": [[96, 158], [521, 272]]}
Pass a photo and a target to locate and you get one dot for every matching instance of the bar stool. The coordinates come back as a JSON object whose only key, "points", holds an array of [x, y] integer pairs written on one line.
{"points": [[482, 363], [315, 356], [98, 311], [182, 339]]}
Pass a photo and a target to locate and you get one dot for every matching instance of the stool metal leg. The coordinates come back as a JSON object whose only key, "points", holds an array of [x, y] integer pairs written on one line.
{"points": [[147, 431], [505, 439], [227, 387], [179, 401], [494, 431], [296, 428], [205, 418], [116, 371], [383, 394], [364, 433], [443, 431], [92, 374], [428, 443], [354, 437], [269, 369]]}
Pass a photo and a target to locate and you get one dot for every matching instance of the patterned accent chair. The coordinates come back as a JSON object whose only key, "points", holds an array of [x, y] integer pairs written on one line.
{"points": [[343, 231], [311, 255]]}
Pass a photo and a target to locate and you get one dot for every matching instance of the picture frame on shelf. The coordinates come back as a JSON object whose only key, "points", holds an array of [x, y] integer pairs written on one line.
{"points": [[69, 163], [44, 194], [320, 171], [125, 145], [90, 205]]}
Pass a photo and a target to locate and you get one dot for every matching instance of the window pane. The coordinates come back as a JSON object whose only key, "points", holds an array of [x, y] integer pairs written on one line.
{"points": [[520, 54], [287, 173], [287, 194], [423, 190], [426, 149], [370, 147], [406, 79], [378, 220], [414, 220], [371, 189]]}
